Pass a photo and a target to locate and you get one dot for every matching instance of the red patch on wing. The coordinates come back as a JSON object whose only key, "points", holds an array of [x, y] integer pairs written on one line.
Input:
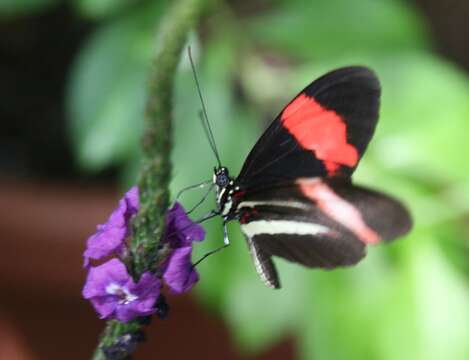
{"points": [[239, 194], [247, 215], [320, 130], [338, 209]]}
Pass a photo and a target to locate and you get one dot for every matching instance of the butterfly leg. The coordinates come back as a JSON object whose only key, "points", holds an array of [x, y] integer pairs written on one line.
{"points": [[193, 187], [226, 243], [196, 187], [200, 202], [226, 240]]}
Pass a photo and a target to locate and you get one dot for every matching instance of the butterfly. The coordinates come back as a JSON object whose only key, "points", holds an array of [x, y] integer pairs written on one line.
{"points": [[294, 197]]}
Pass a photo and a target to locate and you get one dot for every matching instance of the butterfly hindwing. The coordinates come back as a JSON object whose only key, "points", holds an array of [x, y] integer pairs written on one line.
{"points": [[381, 212], [264, 265], [323, 131], [319, 223], [371, 216]]}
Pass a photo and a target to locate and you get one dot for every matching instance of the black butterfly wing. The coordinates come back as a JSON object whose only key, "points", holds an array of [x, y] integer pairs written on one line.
{"points": [[323, 131], [317, 223]]}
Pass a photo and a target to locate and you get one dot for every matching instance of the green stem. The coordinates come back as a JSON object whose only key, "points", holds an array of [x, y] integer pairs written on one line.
{"points": [[156, 167]]}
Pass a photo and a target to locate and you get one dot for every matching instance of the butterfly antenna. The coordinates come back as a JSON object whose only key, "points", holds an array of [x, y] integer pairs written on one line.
{"points": [[207, 134], [203, 115]]}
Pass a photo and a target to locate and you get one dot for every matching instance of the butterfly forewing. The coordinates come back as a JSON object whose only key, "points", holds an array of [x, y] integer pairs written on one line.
{"points": [[323, 131]]}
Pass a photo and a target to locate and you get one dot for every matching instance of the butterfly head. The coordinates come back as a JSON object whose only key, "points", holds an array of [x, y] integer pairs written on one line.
{"points": [[225, 185], [221, 177]]}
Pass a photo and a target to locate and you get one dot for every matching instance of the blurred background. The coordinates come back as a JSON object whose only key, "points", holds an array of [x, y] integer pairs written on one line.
{"points": [[72, 90]]}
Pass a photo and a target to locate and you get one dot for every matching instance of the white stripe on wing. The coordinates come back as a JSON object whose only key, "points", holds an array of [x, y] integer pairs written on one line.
{"points": [[287, 204], [272, 227]]}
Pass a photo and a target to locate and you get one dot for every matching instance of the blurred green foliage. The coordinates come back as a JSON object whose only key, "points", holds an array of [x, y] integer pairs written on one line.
{"points": [[409, 300], [338, 27], [103, 8], [23, 7]]}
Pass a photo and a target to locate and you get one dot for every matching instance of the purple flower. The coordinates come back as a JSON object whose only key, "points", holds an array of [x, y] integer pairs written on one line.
{"points": [[180, 229], [178, 272], [115, 295], [180, 275], [110, 237]]}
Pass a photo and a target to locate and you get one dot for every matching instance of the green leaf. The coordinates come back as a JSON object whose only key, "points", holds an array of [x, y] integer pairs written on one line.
{"points": [[327, 28], [108, 90], [254, 324], [382, 312], [340, 321], [442, 305], [102, 8], [424, 116]]}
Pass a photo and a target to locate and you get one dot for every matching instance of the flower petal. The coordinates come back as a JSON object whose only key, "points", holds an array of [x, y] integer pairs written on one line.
{"points": [[99, 277], [180, 229], [104, 306], [114, 294], [110, 237], [128, 312], [106, 241], [132, 200], [147, 287], [147, 291], [180, 275]]}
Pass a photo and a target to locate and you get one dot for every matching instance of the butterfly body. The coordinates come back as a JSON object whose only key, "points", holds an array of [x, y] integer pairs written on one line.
{"points": [[294, 196]]}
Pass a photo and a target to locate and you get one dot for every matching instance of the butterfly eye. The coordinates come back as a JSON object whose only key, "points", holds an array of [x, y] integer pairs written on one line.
{"points": [[222, 180]]}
